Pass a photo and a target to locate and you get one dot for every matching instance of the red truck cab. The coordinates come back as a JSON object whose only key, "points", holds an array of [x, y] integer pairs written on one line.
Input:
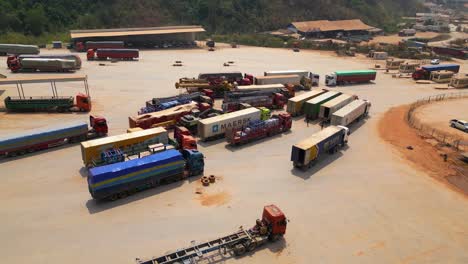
{"points": [[90, 54], [79, 46], [98, 125], [419, 74], [83, 102], [184, 138], [285, 120], [275, 220], [279, 100]]}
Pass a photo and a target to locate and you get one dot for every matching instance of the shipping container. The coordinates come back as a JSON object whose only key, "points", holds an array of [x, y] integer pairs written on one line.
{"points": [[281, 79], [301, 73], [312, 106], [350, 113], [345, 77], [328, 108], [218, 126], [296, 104], [42, 138], [307, 152], [129, 143]]}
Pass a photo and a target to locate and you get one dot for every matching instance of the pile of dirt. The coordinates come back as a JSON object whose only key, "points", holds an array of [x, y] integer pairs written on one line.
{"points": [[421, 153]]}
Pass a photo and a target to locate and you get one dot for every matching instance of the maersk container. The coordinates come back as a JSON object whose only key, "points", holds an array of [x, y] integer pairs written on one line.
{"points": [[307, 152], [42, 138], [105, 181], [350, 113], [312, 107], [295, 104], [328, 108], [17, 49], [217, 126]]}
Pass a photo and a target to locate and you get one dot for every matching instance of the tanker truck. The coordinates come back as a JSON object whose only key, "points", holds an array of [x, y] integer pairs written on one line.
{"points": [[17, 49], [43, 65], [54, 56]]}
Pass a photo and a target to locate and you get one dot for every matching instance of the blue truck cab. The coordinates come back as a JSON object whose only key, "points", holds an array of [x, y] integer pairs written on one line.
{"points": [[194, 161]]}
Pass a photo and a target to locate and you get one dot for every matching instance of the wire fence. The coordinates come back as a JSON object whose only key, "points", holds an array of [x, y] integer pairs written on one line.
{"points": [[442, 136]]}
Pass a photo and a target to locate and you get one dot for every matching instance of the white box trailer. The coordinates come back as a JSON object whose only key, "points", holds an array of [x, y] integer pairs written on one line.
{"points": [[264, 87], [282, 79], [217, 126], [330, 107], [302, 73], [350, 113]]}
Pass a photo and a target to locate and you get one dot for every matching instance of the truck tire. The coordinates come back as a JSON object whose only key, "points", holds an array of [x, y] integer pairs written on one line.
{"points": [[250, 245], [452, 125], [239, 250]]}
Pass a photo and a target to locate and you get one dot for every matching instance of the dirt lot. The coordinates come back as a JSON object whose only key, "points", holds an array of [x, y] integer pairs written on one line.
{"points": [[437, 115], [365, 204]]}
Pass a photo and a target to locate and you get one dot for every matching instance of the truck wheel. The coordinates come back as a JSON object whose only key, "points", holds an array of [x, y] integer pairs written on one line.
{"points": [[452, 125], [239, 250], [114, 197], [251, 245]]}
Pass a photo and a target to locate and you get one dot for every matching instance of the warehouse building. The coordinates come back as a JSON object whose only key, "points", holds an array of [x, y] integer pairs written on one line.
{"points": [[149, 37], [333, 29]]}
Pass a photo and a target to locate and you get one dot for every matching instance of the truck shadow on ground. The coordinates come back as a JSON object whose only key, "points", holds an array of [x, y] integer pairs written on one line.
{"points": [[210, 143], [96, 206], [255, 142], [221, 257], [326, 160]]}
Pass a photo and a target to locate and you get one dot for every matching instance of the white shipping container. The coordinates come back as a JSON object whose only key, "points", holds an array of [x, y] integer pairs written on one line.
{"points": [[328, 108], [301, 73], [350, 113], [282, 79], [219, 125]]}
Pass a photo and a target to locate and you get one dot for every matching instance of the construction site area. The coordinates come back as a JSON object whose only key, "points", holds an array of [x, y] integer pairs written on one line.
{"points": [[387, 192]]}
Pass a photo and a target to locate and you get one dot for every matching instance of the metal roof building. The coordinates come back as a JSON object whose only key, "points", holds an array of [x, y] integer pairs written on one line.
{"points": [[144, 37], [329, 28]]}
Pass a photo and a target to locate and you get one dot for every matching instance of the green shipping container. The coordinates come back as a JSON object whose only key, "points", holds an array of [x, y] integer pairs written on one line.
{"points": [[38, 103], [359, 72], [312, 107]]}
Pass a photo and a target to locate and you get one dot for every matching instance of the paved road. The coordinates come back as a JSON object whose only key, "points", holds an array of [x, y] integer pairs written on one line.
{"points": [[362, 205]]}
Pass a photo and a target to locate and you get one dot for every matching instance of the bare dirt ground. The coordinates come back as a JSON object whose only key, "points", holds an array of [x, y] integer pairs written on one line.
{"points": [[365, 204], [438, 115], [422, 153]]}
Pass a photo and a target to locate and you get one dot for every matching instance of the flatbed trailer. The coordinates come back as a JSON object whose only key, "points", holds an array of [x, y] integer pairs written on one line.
{"points": [[271, 227]]}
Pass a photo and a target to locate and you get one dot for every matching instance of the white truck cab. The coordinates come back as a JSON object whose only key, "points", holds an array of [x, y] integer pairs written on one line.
{"points": [[315, 78], [330, 79], [347, 132]]}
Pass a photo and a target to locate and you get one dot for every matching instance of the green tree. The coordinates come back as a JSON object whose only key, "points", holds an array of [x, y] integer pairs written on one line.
{"points": [[35, 20]]}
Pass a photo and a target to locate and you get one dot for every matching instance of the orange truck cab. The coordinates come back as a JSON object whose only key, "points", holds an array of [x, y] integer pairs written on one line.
{"points": [[83, 102], [90, 54], [275, 220], [98, 125], [184, 138]]}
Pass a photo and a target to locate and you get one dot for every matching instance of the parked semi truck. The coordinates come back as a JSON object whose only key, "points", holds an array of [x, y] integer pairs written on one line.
{"points": [[312, 106], [48, 137], [149, 120], [184, 138], [302, 73], [128, 143], [120, 54], [459, 82], [265, 89], [307, 152], [42, 65], [293, 79], [352, 112], [272, 101], [159, 104], [424, 73], [216, 127], [346, 77], [457, 53], [17, 49], [121, 179], [270, 228], [82, 47], [258, 129], [19, 58], [295, 105], [328, 108]]}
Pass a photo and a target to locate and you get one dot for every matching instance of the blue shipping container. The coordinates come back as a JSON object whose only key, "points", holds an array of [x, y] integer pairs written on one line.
{"points": [[442, 67]]}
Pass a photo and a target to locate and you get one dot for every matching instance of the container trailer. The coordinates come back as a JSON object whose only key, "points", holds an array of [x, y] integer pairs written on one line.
{"points": [[43, 65], [424, 73], [459, 82], [76, 58], [345, 77], [350, 113], [128, 143], [295, 105], [307, 152], [273, 101], [328, 108], [312, 106], [118, 180], [275, 79], [149, 120], [258, 129], [48, 137], [82, 47], [270, 228], [104, 54], [17, 49], [265, 89], [216, 127], [302, 73]]}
